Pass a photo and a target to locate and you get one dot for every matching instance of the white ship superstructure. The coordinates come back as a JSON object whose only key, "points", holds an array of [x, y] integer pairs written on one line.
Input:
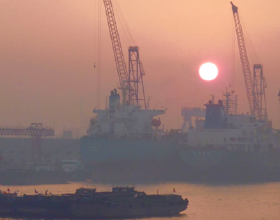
{"points": [[230, 131], [122, 121]]}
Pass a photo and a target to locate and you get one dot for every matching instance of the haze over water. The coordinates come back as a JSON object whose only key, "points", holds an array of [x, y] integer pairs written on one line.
{"points": [[228, 202], [46, 67]]}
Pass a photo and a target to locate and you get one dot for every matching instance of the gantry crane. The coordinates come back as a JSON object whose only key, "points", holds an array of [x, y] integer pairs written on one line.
{"points": [[128, 80], [36, 131], [255, 87]]}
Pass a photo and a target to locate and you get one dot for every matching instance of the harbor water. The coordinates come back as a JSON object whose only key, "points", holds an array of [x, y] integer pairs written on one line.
{"points": [[219, 202]]}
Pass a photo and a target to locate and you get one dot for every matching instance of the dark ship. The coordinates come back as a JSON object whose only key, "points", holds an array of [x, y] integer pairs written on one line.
{"points": [[230, 148], [122, 202], [122, 143]]}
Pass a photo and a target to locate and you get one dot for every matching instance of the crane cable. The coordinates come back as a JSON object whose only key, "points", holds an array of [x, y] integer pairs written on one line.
{"points": [[233, 56], [129, 40], [248, 41], [250, 47], [97, 49]]}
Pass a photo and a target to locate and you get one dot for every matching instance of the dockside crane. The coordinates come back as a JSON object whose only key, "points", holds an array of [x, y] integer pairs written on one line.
{"points": [[255, 86], [244, 58], [129, 81], [36, 131]]}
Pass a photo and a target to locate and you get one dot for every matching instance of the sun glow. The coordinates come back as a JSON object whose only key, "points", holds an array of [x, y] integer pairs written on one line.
{"points": [[208, 71]]}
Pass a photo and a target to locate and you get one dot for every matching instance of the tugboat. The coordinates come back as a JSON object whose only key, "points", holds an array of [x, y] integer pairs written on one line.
{"points": [[122, 202]]}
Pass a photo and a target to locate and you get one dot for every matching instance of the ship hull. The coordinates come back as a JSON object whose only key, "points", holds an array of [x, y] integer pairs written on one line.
{"points": [[100, 150], [87, 210], [162, 161], [130, 159], [126, 210], [223, 166]]}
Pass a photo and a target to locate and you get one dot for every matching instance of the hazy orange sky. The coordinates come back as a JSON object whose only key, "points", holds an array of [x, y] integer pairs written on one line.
{"points": [[47, 56]]}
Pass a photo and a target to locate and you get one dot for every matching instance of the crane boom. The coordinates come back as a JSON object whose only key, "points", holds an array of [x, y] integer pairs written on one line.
{"points": [[116, 43], [244, 59], [129, 80]]}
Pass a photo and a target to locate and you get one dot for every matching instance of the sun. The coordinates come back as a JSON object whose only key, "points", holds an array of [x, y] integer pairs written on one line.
{"points": [[208, 71]]}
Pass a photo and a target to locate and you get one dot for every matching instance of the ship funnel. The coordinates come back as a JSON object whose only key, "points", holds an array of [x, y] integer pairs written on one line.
{"points": [[215, 117], [114, 101]]}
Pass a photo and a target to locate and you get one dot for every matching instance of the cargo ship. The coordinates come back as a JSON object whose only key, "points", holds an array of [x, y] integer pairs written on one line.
{"points": [[122, 202], [125, 142], [230, 148], [220, 147]]}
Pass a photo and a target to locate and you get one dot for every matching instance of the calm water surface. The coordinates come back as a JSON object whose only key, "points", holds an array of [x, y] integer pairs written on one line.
{"points": [[248, 202]]}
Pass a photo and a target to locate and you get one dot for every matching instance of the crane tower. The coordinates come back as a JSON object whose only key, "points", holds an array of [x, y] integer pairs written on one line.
{"points": [[116, 43], [136, 73], [259, 84], [244, 58], [125, 85], [255, 86]]}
